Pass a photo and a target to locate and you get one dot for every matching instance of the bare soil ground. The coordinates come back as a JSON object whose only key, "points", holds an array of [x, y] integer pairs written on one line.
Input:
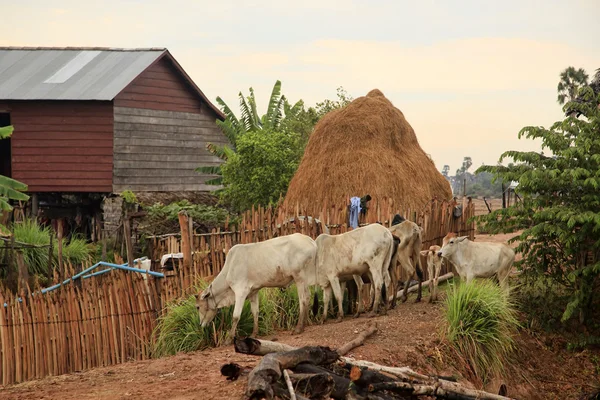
{"points": [[410, 335]]}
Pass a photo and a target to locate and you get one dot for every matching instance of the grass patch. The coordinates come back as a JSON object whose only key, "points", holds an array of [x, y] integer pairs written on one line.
{"points": [[75, 251], [481, 322], [178, 329]]}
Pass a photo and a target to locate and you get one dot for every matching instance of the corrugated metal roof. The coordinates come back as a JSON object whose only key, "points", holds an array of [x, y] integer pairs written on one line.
{"points": [[70, 73]]}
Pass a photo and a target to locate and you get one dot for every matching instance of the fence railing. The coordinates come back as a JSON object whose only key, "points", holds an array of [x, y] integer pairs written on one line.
{"points": [[109, 318]]}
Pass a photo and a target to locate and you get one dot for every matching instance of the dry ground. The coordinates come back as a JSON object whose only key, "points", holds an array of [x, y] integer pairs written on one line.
{"points": [[410, 335]]}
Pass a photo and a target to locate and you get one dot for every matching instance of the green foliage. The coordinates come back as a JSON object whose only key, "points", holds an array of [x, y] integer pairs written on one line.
{"points": [[76, 251], [560, 208], [10, 189], [178, 329], [283, 121], [6, 132], [571, 80], [129, 197], [260, 172], [480, 324], [201, 213], [30, 232]]}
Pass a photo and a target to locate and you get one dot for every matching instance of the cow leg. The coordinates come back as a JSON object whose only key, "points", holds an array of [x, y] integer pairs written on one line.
{"points": [[432, 281], [394, 285], [438, 269], [360, 308], [418, 268], [326, 297], [408, 268], [303, 296], [254, 308], [240, 298], [377, 282], [337, 292]]}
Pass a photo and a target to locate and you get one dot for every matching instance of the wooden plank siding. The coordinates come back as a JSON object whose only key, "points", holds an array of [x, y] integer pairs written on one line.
{"points": [[158, 150], [62, 146], [161, 87]]}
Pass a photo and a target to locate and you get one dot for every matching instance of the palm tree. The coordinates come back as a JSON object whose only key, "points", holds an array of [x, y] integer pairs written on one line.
{"points": [[571, 80], [249, 121]]}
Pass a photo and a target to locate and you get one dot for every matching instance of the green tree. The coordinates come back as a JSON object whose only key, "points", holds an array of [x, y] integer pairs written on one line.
{"points": [[261, 169], [10, 189], [249, 121], [571, 80], [560, 208]]}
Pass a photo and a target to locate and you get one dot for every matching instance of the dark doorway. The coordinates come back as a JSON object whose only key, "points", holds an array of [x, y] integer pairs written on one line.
{"points": [[5, 155]]}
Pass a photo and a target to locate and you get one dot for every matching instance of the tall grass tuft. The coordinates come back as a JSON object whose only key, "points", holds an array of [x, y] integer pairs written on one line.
{"points": [[481, 323], [30, 232], [76, 251]]}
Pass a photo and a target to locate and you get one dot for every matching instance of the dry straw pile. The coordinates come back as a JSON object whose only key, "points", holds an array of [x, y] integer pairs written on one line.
{"points": [[367, 147]]}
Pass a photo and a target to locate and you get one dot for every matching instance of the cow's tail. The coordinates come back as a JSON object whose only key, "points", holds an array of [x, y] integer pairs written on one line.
{"points": [[419, 270]]}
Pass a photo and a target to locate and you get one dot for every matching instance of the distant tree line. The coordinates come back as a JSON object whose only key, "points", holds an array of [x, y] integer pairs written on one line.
{"points": [[477, 184]]}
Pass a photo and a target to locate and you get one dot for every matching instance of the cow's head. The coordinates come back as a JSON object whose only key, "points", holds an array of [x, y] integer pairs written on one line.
{"points": [[206, 305], [448, 237], [434, 259], [452, 246]]}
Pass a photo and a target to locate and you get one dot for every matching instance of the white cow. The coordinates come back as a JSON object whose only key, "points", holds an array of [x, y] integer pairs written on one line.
{"points": [[363, 250], [479, 259], [249, 267], [434, 266]]}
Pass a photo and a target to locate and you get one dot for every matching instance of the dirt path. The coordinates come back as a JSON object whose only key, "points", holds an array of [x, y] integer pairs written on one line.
{"points": [[409, 335]]}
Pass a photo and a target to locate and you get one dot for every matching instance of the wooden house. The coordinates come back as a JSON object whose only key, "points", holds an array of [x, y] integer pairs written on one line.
{"points": [[90, 122]]}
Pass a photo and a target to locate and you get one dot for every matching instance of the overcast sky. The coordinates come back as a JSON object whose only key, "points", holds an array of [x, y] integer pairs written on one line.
{"points": [[468, 74]]}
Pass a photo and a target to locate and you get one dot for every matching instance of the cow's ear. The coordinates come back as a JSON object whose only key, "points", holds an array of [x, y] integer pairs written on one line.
{"points": [[205, 294], [461, 238], [424, 252]]}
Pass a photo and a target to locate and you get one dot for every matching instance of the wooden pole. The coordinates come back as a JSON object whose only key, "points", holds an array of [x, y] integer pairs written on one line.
{"points": [[59, 237], [51, 257], [503, 196], [103, 238], [34, 205], [127, 234], [185, 239]]}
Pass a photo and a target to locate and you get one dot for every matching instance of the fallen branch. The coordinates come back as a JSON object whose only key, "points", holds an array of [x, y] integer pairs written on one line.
{"points": [[414, 288], [258, 347], [270, 368], [319, 385], [288, 382], [340, 384], [359, 341], [441, 389]]}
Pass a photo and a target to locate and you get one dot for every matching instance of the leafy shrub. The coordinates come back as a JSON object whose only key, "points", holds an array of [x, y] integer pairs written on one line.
{"points": [[481, 322], [165, 217]]}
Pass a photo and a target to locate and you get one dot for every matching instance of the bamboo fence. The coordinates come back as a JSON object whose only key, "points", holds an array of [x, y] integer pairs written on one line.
{"points": [[109, 319]]}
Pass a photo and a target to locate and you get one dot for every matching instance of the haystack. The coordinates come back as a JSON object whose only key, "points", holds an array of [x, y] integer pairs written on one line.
{"points": [[367, 147]]}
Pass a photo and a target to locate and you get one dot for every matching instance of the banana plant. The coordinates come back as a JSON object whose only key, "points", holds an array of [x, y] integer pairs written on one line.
{"points": [[249, 121], [10, 189]]}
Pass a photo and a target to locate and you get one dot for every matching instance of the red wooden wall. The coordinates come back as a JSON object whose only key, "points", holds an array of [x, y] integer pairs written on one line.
{"points": [[161, 87], [62, 146]]}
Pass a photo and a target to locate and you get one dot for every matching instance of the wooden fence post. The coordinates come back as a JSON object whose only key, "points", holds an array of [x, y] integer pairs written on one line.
{"points": [[127, 234], [59, 237], [186, 249], [51, 257]]}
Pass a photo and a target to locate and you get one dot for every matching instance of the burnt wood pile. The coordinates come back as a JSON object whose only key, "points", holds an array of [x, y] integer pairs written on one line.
{"points": [[317, 372]]}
